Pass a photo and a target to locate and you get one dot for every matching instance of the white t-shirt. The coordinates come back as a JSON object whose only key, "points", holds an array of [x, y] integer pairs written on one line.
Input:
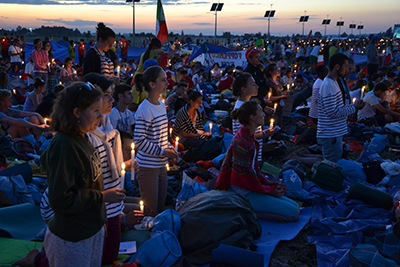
{"points": [[14, 49], [122, 120], [315, 51], [197, 79], [370, 100], [29, 70]]}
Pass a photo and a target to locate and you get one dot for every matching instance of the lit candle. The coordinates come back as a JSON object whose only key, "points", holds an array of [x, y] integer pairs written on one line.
{"points": [[210, 125], [167, 166], [141, 206], [362, 92], [132, 161], [271, 125], [170, 133], [275, 106], [269, 96], [23, 62], [176, 144], [123, 176], [354, 100], [118, 69], [14, 91], [45, 120], [288, 86]]}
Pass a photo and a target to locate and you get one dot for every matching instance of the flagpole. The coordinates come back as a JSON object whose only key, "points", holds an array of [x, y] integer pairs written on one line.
{"points": [[133, 25]]}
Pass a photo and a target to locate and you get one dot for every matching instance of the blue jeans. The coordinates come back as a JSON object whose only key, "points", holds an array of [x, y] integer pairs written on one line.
{"points": [[332, 148]]}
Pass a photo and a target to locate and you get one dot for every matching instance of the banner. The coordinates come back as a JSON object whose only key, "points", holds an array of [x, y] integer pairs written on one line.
{"points": [[237, 58]]}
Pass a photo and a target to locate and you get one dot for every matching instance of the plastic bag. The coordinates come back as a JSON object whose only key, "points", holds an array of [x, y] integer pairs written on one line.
{"points": [[378, 143], [390, 167], [293, 181], [168, 220]]}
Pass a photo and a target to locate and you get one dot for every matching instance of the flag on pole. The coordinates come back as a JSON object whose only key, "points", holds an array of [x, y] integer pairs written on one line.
{"points": [[161, 26], [310, 35]]}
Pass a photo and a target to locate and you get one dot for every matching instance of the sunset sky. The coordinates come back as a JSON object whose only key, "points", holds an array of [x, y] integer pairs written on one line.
{"points": [[193, 16]]}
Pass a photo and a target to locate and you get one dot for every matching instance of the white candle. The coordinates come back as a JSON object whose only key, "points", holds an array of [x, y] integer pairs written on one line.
{"points": [[354, 100], [170, 133], [141, 206], [123, 176], [269, 96], [210, 125], [132, 161], [271, 125], [118, 69], [167, 166], [275, 106], [288, 86], [176, 144], [45, 120], [362, 92]]}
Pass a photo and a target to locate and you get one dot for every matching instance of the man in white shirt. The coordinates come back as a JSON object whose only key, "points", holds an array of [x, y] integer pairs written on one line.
{"points": [[29, 72], [15, 54], [121, 117], [373, 103]]}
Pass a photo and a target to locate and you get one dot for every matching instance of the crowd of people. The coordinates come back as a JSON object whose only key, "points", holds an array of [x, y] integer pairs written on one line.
{"points": [[101, 104]]}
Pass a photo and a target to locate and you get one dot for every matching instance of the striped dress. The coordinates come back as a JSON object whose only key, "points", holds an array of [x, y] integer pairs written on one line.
{"points": [[332, 113], [151, 134]]}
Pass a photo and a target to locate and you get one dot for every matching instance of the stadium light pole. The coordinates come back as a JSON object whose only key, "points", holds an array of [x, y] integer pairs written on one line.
{"points": [[133, 24], [360, 27], [340, 23], [269, 14], [304, 19], [352, 26], [216, 7], [326, 22]]}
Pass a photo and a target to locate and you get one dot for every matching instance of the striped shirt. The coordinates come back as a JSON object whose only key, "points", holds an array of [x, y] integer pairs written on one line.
{"points": [[236, 127], [183, 122], [314, 99], [332, 113], [151, 134], [113, 209]]}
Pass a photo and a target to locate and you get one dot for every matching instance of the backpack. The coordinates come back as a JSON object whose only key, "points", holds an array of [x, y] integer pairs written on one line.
{"points": [[374, 171], [7, 146], [15, 189], [328, 175], [296, 166], [273, 148], [208, 151]]}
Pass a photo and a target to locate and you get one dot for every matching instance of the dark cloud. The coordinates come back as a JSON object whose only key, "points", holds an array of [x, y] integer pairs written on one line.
{"points": [[202, 23], [77, 22]]}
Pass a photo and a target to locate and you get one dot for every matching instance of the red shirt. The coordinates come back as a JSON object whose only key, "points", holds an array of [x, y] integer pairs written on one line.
{"points": [[189, 80], [5, 44], [124, 47], [225, 83], [81, 49]]}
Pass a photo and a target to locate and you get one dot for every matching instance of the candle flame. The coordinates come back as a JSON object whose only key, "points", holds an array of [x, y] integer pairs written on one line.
{"points": [[167, 166], [177, 139], [133, 146], [123, 166], [275, 105], [141, 203], [354, 100]]}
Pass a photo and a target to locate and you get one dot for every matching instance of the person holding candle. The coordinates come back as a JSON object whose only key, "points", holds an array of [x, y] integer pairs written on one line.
{"points": [[52, 66], [272, 73], [40, 59], [151, 140], [332, 110], [244, 88], [188, 123], [75, 233], [241, 173], [68, 73]]}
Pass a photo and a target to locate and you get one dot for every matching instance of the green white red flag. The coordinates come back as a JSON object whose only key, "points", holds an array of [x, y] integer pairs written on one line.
{"points": [[161, 26]]}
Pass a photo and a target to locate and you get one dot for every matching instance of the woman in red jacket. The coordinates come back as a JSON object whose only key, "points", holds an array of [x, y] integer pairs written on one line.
{"points": [[240, 171]]}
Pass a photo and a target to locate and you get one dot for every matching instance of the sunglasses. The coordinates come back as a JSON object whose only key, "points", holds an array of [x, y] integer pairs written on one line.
{"points": [[87, 86]]}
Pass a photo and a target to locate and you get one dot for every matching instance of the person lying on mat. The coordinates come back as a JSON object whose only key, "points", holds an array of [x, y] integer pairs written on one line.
{"points": [[241, 173]]}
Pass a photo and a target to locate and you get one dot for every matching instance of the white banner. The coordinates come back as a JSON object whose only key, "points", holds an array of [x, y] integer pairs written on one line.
{"points": [[237, 58]]}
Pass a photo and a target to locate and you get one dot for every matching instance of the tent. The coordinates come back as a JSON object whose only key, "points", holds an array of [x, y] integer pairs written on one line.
{"points": [[359, 59], [213, 49]]}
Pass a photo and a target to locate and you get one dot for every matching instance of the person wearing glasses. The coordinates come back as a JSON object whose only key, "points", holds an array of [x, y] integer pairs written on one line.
{"points": [[75, 233], [188, 124], [99, 58]]}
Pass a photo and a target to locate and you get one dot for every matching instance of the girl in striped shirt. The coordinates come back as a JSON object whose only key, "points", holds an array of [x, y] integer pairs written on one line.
{"points": [[151, 140]]}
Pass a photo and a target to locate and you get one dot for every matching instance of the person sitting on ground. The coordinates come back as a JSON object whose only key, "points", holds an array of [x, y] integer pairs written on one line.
{"points": [[68, 73], [121, 117], [188, 124], [241, 173], [322, 71], [300, 83], [287, 78], [374, 102], [198, 77], [184, 77], [12, 120], [395, 104], [46, 106], [15, 72], [215, 73], [226, 80], [35, 97], [177, 99]]}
